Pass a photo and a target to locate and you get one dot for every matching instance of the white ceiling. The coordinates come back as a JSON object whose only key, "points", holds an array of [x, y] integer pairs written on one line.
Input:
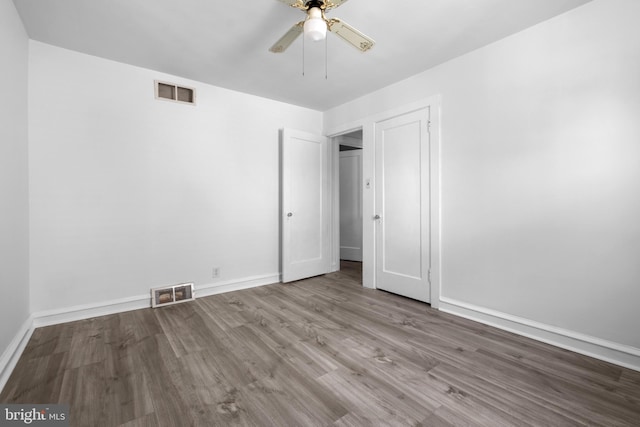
{"points": [[225, 43]]}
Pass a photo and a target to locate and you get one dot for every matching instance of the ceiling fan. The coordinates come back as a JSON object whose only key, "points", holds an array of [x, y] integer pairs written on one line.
{"points": [[315, 26]]}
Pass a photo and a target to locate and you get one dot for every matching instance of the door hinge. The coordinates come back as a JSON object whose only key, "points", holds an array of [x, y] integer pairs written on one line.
{"points": [[429, 276]]}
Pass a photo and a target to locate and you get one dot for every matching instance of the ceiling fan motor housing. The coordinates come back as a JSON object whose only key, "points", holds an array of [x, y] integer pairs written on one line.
{"points": [[315, 3]]}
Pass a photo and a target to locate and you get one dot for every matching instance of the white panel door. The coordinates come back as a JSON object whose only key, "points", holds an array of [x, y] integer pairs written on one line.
{"points": [[351, 205], [402, 205], [305, 210]]}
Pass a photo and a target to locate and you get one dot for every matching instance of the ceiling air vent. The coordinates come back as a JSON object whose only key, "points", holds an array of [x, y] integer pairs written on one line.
{"points": [[174, 92]]}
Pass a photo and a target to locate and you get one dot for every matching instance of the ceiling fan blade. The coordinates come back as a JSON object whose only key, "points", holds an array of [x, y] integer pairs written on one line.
{"points": [[298, 4], [350, 35], [288, 38]]}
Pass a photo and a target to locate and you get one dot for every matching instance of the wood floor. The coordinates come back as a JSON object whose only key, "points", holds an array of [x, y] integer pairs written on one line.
{"points": [[318, 352]]}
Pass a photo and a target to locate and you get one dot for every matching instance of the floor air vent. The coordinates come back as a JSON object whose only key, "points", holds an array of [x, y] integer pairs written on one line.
{"points": [[167, 295]]}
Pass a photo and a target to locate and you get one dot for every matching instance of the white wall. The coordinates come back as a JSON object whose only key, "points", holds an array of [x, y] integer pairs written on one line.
{"points": [[14, 197], [540, 171], [129, 192]]}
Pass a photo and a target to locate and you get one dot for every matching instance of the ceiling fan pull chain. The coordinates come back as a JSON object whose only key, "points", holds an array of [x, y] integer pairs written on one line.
{"points": [[326, 49], [302, 56]]}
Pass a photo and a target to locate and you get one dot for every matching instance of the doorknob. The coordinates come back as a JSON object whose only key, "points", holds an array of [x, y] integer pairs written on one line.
{"points": [[376, 217], [290, 214]]}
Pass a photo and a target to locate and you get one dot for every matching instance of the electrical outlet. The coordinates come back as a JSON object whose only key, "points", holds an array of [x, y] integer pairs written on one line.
{"points": [[216, 272]]}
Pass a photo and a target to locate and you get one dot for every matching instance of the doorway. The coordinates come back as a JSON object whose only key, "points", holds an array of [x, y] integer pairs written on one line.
{"points": [[349, 201]]}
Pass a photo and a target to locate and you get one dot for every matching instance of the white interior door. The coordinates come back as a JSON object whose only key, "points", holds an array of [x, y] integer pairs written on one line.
{"points": [[305, 210], [351, 205], [402, 205]]}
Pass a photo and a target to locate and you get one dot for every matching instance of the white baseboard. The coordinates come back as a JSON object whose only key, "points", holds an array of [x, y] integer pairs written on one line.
{"points": [[618, 354], [10, 357], [121, 305], [236, 285], [87, 311], [351, 254]]}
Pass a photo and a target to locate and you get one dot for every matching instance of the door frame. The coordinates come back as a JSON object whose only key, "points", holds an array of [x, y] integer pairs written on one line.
{"points": [[368, 126]]}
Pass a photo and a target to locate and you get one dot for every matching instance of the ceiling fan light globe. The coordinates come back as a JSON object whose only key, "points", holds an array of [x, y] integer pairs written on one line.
{"points": [[315, 29]]}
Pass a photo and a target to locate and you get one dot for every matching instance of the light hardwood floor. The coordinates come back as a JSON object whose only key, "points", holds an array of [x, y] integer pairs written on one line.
{"points": [[322, 351]]}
